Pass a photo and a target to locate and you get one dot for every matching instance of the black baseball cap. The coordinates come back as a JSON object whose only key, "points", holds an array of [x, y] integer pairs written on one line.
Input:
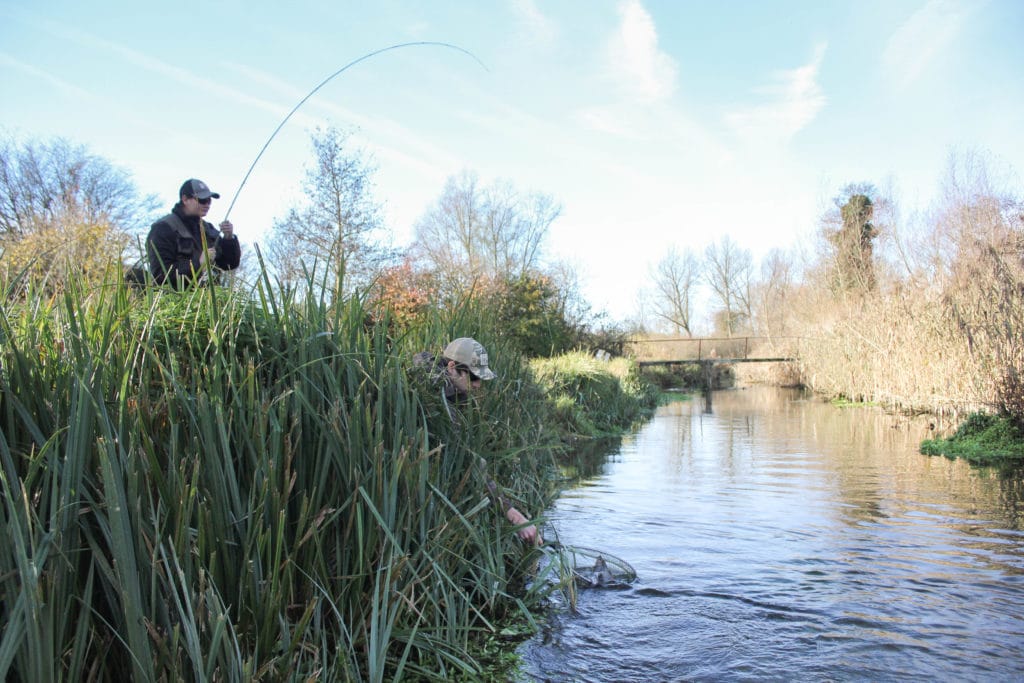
{"points": [[198, 189]]}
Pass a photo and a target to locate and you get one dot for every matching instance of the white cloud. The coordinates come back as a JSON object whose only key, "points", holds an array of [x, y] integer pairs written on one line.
{"points": [[794, 98], [604, 120], [152, 64], [927, 33], [642, 70], [69, 89], [538, 26]]}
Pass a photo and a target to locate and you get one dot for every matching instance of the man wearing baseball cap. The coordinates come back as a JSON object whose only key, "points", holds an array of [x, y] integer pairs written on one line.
{"points": [[466, 365], [181, 244], [463, 366]]}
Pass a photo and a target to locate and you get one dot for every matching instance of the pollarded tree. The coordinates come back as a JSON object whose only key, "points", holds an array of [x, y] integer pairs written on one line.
{"points": [[65, 212], [675, 280], [334, 230]]}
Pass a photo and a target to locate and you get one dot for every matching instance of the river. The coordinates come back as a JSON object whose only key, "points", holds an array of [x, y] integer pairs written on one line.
{"points": [[778, 537]]}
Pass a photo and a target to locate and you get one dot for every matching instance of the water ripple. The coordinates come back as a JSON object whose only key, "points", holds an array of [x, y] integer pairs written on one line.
{"points": [[778, 539]]}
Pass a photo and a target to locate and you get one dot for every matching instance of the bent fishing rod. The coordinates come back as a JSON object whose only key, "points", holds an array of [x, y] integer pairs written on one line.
{"points": [[328, 80]]}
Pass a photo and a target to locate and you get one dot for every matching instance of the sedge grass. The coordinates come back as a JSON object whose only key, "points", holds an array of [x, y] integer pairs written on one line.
{"points": [[213, 485], [594, 397]]}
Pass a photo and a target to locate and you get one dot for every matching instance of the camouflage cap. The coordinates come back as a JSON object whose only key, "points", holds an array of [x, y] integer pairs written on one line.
{"points": [[472, 354]]}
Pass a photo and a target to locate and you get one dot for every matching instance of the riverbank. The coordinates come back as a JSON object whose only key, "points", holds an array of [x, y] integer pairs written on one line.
{"points": [[981, 439], [962, 429], [263, 487]]}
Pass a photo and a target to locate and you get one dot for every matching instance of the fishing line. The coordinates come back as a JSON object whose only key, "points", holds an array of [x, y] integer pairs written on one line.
{"points": [[325, 82]]}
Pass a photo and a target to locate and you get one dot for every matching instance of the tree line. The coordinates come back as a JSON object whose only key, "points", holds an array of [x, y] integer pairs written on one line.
{"points": [[921, 314], [67, 213]]}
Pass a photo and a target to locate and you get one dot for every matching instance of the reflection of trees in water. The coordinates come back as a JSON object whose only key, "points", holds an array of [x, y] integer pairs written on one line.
{"points": [[587, 458], [871, 458], [1011, 493]]}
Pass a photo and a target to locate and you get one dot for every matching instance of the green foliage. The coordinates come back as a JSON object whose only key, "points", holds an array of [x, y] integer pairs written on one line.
{"points": [[982, 438], [852, 241], [682, 376], [212, 486], [530, 313], [591, 397], [846, 402]]}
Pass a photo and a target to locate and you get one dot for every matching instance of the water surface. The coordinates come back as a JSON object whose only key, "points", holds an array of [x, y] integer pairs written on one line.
{"points": [[777, 537]]}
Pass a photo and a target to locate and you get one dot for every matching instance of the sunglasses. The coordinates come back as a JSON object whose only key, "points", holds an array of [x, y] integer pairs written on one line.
{"points": [[204, 201], [464, 368]]}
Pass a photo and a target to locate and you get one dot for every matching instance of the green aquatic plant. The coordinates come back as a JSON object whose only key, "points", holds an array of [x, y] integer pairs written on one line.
{"points": [[982, 438]]}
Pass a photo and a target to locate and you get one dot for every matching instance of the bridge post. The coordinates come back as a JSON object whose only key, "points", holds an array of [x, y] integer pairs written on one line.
{"points": [[707, 368], [707, 371]]}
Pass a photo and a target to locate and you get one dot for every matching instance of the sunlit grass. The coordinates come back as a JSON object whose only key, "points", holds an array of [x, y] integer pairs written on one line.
{"points": [[594, 397], [259, 485], [217, 486]]}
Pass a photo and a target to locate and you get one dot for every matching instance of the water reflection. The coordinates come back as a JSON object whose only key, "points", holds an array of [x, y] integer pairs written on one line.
{"points": [[588, 458], [780, 537]]}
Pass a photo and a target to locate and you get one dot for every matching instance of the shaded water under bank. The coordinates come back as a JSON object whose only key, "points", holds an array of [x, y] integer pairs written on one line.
{"points": [[778, 537]]}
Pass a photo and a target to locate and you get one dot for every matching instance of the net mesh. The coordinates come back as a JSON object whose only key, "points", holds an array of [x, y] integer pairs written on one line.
{"points": [[596, 567]]}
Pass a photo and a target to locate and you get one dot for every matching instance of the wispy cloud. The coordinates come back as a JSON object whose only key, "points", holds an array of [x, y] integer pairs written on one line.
{"points": [[928, 32], [605, 120], [187, 77], [535, 23], [412, 149], [793, 99], [639, 67], [66, 87]]}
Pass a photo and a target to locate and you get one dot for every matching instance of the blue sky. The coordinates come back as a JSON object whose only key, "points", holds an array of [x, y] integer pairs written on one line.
{"points": [[654, 123]]}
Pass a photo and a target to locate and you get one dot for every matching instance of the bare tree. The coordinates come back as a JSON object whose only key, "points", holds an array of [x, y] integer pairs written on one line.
{"points": [[675, 280], [65, 212], [983, 295], [772, 293], [473, 232], [334, 230], [728, 271]]}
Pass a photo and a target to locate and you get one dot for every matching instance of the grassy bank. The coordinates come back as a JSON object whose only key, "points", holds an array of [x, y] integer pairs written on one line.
{"points": [[981, 439], [211, 486], [593, 398]]}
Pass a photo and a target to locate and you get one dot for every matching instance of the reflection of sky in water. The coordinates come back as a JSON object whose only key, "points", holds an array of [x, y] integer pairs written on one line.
{"points": [[779, 538]]}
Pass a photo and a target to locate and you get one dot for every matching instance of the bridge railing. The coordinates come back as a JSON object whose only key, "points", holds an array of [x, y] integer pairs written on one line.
{"points": [[667, 349]]}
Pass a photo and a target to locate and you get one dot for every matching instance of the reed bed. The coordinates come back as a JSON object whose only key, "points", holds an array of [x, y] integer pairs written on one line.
{"points": [[593, 397], [235, 486], [900, 352]]}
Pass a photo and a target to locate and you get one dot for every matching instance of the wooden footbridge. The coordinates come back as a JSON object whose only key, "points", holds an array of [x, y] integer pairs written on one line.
{"points": [[708, 351]]}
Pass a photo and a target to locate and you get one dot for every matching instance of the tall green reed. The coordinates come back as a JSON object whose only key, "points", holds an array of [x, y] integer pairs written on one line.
{"points": [[218, 485]]}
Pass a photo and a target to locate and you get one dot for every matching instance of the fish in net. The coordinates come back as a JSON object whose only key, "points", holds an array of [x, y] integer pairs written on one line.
{"points": [[592, 568]]}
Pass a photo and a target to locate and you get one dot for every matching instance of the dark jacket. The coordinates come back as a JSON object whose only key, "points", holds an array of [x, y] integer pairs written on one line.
{"points": [[174, 257]]}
